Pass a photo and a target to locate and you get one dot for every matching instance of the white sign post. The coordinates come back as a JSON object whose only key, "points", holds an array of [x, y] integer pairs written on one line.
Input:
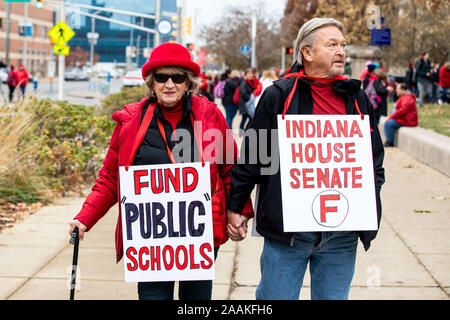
{"points": [[327, 177], [167, 222]]}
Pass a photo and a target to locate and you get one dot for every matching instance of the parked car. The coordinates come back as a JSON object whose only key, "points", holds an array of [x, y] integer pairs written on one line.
{"points": [[112, 74], [133, 78], [76, 74], [83, 75]]}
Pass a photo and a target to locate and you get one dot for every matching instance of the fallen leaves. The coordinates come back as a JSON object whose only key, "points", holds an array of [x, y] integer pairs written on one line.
{"points": [[422, 211], [11, 213]]}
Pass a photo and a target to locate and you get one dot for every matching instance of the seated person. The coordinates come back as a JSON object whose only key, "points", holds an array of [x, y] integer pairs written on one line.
{"points": [[405, 113]]}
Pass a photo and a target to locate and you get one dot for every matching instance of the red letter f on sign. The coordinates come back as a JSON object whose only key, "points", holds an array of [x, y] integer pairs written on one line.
{"points": [[324, 209], [137, 181]]}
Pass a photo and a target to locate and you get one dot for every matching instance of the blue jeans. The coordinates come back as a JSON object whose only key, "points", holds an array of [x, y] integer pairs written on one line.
{"points": [[230, 110], [331, 256], [443, 95], [425, 88], [187, 290], [390, 127]]}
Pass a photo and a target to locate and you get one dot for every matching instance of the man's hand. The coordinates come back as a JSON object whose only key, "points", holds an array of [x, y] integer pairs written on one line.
{"points": [[237, 226]]}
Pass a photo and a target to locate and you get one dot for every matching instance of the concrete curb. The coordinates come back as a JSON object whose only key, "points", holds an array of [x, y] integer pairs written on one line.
{"points": [[86, 94], [424, 145]]}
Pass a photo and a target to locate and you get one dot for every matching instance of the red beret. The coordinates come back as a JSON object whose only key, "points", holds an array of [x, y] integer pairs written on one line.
{"points": [[169, 55]]}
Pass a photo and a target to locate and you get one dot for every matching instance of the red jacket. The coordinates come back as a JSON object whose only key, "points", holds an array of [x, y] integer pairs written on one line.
{"points": [[105, 192], [444, 78], [22, 77], [406, 111]]}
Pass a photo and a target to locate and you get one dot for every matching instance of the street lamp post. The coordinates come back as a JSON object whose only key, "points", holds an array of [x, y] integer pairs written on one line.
{"points": [[61, 57], [253, 59], [157, 17], [92, 41]]}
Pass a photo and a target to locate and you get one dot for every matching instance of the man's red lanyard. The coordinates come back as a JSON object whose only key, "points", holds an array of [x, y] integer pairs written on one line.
{"points": [[301, 74], [143, 129]]}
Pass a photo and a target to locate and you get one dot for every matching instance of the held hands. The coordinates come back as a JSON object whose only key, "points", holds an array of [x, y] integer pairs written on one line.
{"points": [[81, 228], [237, 226]]}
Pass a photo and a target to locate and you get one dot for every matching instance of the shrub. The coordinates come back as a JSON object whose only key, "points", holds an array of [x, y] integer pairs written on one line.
{"points": [[57, 144], [126, 95]]}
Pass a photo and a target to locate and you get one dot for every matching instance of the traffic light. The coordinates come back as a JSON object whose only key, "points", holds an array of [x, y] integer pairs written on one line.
{"points": [[174, 26], [39, 4], [190, 46], [186, 26], [289, 50]]}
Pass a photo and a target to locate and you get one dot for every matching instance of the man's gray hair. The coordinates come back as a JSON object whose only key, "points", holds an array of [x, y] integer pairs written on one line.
{"points": [[306, 36]]}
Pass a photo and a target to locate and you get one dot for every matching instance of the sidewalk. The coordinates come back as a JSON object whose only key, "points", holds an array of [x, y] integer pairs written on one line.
{"points": [[408, 260]]}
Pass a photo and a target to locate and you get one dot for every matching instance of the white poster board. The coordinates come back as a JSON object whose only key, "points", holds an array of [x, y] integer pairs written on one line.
{"points": [[327, 177], [167, 222]]}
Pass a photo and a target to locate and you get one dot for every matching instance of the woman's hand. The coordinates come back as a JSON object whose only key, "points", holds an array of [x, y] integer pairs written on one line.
{"points": [[237, 226], [81, 228]]}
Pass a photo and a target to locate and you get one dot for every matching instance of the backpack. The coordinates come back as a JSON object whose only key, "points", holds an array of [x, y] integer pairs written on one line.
{"points": [[236, 96], [372, 94], [218, 89]]}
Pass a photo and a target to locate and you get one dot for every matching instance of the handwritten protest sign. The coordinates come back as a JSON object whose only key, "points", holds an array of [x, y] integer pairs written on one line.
{"points": [[167, 222], [327, 177]]}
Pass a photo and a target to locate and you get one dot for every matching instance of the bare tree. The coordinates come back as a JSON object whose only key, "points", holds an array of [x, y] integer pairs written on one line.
{"points": [[296, 13], [416, 25], [225, 37]]}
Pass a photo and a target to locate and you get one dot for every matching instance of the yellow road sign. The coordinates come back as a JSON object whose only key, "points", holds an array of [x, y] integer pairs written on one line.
{"points": [[61, 49], [61, 33]]}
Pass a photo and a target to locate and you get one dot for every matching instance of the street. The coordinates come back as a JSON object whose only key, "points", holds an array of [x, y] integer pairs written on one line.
{"points": [[77, 92]]}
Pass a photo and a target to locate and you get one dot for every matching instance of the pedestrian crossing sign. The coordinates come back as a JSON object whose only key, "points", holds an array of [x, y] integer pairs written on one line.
{"points": [[61, 49], [61, 33]]}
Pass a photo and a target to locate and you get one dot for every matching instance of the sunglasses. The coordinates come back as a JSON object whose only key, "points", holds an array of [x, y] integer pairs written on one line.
{"points": [[176, 78]]}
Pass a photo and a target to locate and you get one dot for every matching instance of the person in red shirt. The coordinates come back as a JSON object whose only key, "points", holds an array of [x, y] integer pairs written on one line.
{"points": [[314, 85], [405, 114], [155, 131], [444, 82], [11, 81], [22, 78]]}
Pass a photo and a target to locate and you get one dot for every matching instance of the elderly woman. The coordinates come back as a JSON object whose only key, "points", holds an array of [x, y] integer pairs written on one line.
{"points": [[172, 79]]}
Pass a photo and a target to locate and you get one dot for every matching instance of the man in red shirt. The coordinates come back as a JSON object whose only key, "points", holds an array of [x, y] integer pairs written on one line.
{"points": [[405, 114], [315, 85]]}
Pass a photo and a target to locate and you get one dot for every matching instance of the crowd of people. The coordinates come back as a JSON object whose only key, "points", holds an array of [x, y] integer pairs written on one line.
{"points": [[238, 91], [16, 79], [423, 80], [429, 79]]}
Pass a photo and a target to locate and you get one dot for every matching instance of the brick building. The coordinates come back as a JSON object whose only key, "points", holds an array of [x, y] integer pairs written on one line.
{"points": [[38, 43]]}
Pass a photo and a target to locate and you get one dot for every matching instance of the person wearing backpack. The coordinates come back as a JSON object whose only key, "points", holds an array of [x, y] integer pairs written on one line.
{"points": [[378, 93], [246, 88], [229, 89], [218, 88], [11, 81]]}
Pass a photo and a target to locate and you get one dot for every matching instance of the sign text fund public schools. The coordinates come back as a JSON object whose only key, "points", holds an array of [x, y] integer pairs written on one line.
{"points": [[167, 222], [327, 174]]}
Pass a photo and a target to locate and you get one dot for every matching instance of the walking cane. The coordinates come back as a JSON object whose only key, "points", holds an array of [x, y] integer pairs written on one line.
{"points": [[75, 241]]}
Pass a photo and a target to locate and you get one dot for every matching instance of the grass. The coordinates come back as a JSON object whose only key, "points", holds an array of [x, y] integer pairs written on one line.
{"points": [[433, 117], [17, 182]]}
